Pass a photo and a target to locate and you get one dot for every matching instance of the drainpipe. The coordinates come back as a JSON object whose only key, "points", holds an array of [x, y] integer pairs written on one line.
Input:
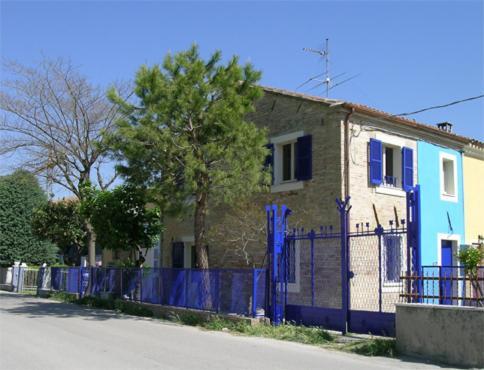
{"points": [[346, 169]]}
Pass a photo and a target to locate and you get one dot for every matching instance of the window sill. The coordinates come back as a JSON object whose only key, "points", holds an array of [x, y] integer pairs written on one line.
{"points": [[448, 198], [390, 191], [293, 288], [391, 287], [287, 186]]}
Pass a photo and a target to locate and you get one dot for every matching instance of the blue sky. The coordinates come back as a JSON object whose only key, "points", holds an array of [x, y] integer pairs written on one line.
{"points": [[409, 55]]}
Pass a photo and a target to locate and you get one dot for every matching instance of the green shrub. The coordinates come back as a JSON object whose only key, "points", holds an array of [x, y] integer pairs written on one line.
{"points": [[63, 297], [97, 302], [132, 308]]}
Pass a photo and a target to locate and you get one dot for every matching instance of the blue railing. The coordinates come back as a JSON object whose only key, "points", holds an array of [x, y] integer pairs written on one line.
{"points": [[390, 181], [230, 291]]}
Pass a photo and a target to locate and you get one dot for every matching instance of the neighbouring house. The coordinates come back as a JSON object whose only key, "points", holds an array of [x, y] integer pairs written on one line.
{"points": [[323, 149], [473, 163], [442, 201]]}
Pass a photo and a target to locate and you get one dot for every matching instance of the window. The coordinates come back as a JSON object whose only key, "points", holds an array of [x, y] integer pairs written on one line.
{"points": [[390, 165], [290, 158], [448, 169], [291, 261], [288, 165], [448, 177], [293, 266], [392, 259], [392, 159]]}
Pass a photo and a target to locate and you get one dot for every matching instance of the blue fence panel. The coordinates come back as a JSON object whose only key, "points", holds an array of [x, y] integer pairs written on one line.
{"points": [[73, 280], [56, 278], [237, 291]]}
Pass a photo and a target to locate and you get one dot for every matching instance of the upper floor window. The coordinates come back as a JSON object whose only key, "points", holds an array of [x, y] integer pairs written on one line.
{"points": [[448, 177], [290, 160], [390, 165]]}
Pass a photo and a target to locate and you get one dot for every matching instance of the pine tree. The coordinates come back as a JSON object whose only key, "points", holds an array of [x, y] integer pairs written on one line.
{"points": [[187, 138]]}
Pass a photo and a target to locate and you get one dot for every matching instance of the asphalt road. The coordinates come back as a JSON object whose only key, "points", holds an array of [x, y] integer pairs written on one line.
{"points": [[42, 334]]}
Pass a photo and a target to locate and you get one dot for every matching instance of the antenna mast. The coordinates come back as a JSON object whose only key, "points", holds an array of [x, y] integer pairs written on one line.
{"points": [[324, 54], [328, 81]]}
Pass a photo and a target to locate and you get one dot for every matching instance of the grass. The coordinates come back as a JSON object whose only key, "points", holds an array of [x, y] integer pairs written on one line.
{"points": [[372, 347], [287, 332]]}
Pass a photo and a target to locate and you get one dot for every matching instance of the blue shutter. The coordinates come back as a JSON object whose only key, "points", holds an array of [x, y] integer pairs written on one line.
{"points": [[304, 158], [269, 162], [407, 169], [376, 162]]}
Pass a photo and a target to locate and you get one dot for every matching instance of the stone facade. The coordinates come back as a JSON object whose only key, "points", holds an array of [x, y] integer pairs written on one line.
{"points": [[313, 204]]}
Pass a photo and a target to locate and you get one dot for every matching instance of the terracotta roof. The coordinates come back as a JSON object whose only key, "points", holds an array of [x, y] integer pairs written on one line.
{"points": [[363, 109]]}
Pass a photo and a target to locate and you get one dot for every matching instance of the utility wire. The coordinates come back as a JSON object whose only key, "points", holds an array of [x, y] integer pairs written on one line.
{"points": [[439, 106]]}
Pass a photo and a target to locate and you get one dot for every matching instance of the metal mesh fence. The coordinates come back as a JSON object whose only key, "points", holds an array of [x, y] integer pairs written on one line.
{"points": [[237, 291], [377, 262], [314, 270]]}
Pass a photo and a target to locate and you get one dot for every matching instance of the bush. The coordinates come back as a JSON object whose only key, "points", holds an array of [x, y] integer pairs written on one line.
{"points": [[96, 302], [132, 308]]}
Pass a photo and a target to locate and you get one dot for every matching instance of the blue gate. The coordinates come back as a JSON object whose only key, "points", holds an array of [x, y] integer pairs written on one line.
{"points": [[337, 279]]}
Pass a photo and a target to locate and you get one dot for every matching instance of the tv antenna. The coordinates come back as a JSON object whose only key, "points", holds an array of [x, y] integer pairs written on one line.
{"points": [[327, 79]]}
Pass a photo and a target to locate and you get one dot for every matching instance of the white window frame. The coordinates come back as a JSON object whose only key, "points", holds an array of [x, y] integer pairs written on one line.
{"points": [[444, 196], [396, 143], [188, 242], [278, 142], [390, 286]]}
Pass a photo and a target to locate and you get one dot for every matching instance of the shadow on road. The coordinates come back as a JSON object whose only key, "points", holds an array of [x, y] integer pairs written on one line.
{"points": [[33, 307]]}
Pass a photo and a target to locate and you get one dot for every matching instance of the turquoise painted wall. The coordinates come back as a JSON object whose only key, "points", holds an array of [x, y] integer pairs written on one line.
{"points": [[434, 220]]}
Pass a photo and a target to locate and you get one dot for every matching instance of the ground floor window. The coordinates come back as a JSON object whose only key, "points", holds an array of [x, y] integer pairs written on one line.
{"points": [[392, 258]]}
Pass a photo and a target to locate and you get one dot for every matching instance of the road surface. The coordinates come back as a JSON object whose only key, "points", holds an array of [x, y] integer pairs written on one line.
{"points": [[38, 333]]}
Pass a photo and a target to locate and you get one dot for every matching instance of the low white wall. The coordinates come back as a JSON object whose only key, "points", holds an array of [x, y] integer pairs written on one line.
{"points": [[449, 334]]}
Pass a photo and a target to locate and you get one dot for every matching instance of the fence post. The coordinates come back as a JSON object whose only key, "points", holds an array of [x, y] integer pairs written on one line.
{"points": [[311, 239], [19, 278], [79, 281], [379, 233], [254, 292], [344, 208], [122, 292], [140, 275]]}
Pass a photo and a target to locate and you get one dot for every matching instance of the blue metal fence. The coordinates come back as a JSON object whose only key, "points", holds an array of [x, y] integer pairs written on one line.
{"points": [[230, 291]]}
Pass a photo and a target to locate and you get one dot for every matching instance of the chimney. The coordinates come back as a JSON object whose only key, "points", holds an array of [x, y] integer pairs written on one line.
{"points": [[445, 126]]}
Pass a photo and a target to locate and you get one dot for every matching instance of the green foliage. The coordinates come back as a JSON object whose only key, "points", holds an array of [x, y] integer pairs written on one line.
{"points": [[132, 308], [61, 223], [187, 134], [372, 347], [121, 218], [63, 297], [20, 195], [471, 257], [96, 302]]}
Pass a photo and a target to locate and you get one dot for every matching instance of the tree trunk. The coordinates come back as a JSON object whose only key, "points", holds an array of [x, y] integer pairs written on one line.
{"points": [[91, 244], [201, 249], [200, 216]]}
